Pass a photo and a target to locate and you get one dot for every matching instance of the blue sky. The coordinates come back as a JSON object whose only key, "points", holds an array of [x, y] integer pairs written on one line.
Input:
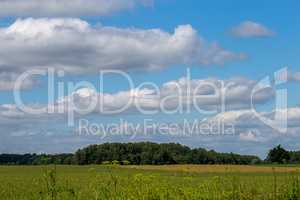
{"points": [[213, 20], [271, 43]]}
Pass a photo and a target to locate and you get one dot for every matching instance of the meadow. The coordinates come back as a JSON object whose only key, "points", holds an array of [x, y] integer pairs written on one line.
{"points": [[232, 182]]}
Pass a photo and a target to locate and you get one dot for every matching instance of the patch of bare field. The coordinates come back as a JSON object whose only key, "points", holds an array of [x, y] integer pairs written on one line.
{"points": [[218, 168]]}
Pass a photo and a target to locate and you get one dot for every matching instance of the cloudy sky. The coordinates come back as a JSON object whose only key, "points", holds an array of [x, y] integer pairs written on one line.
{"points": [[206, 61]]}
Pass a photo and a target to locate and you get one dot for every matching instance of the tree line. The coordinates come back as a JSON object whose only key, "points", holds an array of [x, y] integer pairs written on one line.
{"points": [[131, 153], [148, 153], [279, 155]]}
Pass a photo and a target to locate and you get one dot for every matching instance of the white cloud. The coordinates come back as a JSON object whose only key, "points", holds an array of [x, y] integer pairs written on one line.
{"points": [[66, 8], [10, 110], [249, 136], [24, 134], [251, 29], [247, 119], [178, 96], [205, 95], [36, 129], [7, 81], [77, 47]]}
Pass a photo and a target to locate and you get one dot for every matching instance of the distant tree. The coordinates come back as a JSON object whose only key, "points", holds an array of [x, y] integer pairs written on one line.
{"points": [[115, 162], [294, 157], [106, 163], [125, 162], [278, 155], [153, 153], [133, 153]]}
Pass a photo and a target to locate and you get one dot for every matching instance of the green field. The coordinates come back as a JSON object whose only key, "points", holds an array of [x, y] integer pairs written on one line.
{"points": [[149, 182]]}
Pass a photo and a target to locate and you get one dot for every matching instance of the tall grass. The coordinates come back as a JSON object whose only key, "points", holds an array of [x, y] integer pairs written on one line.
{"points": [[117, 183]]}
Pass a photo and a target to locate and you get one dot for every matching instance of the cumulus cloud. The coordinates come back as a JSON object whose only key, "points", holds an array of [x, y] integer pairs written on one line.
{"points": [[24, 134], [251, 120], [66, 8], [205, 95], [250, 131], [77, 47], [248, 136], [249, 29], [178, 96]]}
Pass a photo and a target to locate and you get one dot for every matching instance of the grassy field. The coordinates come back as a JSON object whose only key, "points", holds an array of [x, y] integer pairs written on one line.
{"points": [[150, 182]]}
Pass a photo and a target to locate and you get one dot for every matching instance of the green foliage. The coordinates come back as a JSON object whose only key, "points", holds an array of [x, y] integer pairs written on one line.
{"points": [[147, 153], [156, 154], [115, 162], [125, 162], [120, 182], [34, 159], [278, 155], [106, 163]]}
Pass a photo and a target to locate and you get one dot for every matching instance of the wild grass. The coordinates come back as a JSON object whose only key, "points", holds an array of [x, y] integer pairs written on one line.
{"points": [[150, 182]]}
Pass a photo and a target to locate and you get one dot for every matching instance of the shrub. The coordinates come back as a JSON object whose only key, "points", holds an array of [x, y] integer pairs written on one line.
{"points": [[106, 163]]}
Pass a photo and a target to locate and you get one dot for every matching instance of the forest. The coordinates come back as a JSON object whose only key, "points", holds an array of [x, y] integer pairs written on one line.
{"points": [[148, 153]]}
